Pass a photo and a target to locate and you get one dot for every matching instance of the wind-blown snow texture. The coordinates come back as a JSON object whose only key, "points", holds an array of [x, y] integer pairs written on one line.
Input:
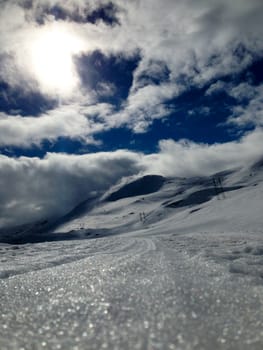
{"points": [[177, 267]]}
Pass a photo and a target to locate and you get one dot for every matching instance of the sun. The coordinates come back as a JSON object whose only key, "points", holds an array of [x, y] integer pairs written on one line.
{"points": [[51, 56]]}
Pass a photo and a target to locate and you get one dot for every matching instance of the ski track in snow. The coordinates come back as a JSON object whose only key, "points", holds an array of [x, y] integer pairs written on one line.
{"points": [[182, 279]]}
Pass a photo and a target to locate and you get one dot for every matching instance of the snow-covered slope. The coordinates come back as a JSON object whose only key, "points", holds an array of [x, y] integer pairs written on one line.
{"points": [[154, 264], [234, 202]]}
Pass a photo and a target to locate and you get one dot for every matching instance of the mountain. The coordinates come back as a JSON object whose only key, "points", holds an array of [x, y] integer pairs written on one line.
{"points": [[156, 201], [151, 200]]}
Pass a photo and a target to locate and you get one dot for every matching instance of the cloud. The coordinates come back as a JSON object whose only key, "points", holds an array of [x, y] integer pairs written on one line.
{"points": [[143, 106], [204, 110], [247, 111], [197, 42], [73, 121], [241, 92], [106, 89], [250, 113], [182, 44], [187, 158], [218, 87], [249, 102], [33, 189]]}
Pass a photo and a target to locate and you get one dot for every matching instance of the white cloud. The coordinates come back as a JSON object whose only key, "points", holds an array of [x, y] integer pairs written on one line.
{"points": [[33, 189], [249, 99], [250, 113], [242, 91], [105, 89], [194, 41], [248, 110], [186, 158], [143, 106], [218, 87], [73, 121]]}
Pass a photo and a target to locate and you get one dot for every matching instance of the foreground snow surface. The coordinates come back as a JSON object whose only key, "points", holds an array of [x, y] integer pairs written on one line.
{"points": [[169, 292], [188, 277]]}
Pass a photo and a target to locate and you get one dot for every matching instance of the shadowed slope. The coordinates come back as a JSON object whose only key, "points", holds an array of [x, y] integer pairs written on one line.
{"points": [[145, 185]]}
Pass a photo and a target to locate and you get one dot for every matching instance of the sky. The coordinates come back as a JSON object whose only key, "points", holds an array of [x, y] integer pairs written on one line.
{"points": [[93, 92]]}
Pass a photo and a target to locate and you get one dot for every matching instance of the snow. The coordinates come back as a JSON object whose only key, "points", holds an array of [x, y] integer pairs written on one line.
{"points": [[187, 276]]}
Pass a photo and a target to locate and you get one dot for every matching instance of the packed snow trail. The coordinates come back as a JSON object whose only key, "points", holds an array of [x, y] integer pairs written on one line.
{"points": [[138, 292]]}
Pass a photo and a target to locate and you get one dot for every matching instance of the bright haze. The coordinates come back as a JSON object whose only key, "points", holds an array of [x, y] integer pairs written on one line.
{"points": [[94, 91]]}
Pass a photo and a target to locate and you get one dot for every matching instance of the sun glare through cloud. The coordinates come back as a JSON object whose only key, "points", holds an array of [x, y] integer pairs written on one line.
{"points": [[51, 54]]}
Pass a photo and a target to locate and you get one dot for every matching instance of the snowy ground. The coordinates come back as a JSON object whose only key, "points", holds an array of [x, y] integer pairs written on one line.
{"points": [[187, 276]]}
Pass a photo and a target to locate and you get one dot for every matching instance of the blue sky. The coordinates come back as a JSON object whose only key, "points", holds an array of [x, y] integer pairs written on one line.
{"points": [[142, 81]]}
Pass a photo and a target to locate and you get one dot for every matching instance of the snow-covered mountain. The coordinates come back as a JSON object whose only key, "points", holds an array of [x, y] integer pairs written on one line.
{"points": [[228, 199], [155, 263]]}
